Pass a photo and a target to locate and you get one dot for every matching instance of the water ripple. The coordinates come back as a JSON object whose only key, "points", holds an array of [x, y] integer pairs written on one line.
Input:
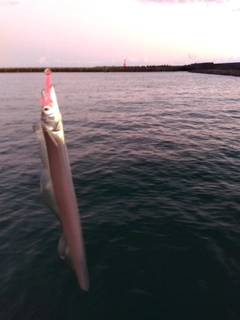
{"points": [[155, 163]]}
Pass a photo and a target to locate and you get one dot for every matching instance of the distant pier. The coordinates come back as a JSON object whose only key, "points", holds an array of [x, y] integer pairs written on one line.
{"points": [[99, 69], [232, 69]]}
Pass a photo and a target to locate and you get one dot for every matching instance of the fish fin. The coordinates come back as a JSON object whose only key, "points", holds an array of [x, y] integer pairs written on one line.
{"points": [[63, 251], [46, 185]]}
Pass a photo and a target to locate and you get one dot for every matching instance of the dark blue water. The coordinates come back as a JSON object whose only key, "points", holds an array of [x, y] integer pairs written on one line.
{"points": [[156, 166]]}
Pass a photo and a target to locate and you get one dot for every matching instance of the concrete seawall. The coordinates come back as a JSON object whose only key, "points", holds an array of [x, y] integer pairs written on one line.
{"points": [[165, 68], [231, 69]]}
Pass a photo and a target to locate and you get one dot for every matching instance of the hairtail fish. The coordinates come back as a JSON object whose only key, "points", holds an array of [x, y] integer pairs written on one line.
{"points": [[56, 183]]}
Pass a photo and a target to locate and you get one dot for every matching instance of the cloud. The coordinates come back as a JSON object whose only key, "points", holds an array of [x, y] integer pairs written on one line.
{"points": [[185, 1], [41, 60]]}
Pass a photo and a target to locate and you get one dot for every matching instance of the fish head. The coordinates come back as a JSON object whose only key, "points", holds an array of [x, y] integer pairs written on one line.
{"points": [[51, 115]]}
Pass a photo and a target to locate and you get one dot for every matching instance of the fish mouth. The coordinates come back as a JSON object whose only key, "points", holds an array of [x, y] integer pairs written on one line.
{"points": [[45, 99]]}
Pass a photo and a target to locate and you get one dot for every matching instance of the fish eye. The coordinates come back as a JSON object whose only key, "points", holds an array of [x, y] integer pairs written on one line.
{"points": [[46, 109]]}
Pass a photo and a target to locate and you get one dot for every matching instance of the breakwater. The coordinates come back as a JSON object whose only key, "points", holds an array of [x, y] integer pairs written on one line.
{"points": [[232, 69], [100, 69], [228, 69]]}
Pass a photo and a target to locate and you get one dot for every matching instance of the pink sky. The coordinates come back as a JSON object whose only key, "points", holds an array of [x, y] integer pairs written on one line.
{"points": [[105, 32]]}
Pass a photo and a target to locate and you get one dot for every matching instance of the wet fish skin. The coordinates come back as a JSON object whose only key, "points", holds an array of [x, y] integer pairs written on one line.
{"points": [[57, 185]]}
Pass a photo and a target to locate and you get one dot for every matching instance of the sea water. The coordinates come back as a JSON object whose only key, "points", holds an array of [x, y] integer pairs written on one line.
{"points": [[155, 160]]}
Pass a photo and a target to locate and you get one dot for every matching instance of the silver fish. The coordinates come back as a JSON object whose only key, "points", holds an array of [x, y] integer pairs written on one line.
{"points": [[57, 185]]}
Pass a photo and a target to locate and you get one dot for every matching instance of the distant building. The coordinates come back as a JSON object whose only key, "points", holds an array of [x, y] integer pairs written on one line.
{"points": [[125, 63]]}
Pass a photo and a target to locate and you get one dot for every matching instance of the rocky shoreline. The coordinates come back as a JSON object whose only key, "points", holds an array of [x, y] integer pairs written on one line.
{"points": [[230, 69]]}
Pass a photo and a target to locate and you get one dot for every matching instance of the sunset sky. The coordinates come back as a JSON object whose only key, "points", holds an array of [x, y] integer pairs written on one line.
{"points": [[105, 32]]}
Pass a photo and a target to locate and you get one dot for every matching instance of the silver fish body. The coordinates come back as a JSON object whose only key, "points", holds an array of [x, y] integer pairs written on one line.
{"points": [[58, 190]]}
